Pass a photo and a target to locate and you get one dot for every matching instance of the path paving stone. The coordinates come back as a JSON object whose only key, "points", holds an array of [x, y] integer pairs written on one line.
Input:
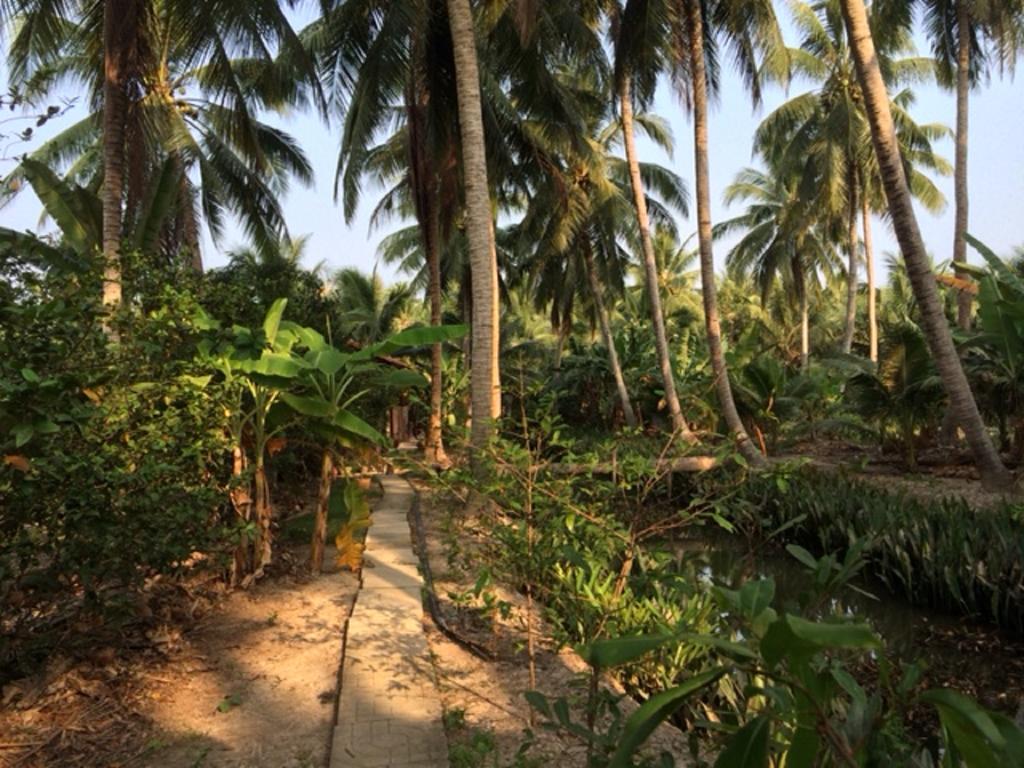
{"points": [[390, 711]]}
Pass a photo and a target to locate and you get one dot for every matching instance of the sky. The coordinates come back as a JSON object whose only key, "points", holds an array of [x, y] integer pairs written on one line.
{"points": [[996, 173]]}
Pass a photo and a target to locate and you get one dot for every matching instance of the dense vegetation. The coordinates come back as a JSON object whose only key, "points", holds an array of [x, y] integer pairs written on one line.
{"points": [[151, 410]]}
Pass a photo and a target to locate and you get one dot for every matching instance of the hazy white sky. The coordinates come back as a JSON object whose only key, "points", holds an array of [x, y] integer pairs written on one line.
{"points": [[996, 173]]}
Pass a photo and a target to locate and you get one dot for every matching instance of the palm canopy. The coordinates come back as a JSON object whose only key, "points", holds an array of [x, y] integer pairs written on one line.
{"points": [[580, 207], [390, 64], [824, 132], [369, 311], [200, 76], [783, 241]]}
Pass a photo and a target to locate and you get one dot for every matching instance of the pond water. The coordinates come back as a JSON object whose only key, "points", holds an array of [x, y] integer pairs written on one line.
{"points": [[976, 658]]}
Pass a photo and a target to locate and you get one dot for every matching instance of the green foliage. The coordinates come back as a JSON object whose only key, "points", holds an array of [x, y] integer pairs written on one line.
{"points": [[941, 553], [786, 696], [107, 442]]}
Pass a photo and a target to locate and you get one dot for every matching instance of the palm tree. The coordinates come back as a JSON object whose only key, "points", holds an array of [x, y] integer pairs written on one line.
{"points": [[784, 242], [382, 57], [916, 142], [968, 37], [823, 134], [199, 111], [639, 29], [485, 386], [747, 28], [579, 213], [904, 221]]}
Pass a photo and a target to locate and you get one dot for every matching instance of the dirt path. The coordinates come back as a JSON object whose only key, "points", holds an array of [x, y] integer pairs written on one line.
{"points": [[256, 686], [250, 683]]}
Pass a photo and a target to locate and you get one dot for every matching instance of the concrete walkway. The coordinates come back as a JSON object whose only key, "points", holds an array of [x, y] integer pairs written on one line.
{"points": [[390, 711]]}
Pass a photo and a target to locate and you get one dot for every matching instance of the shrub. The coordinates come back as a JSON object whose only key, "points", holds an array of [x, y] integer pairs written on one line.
{"points": [[115, 454]]}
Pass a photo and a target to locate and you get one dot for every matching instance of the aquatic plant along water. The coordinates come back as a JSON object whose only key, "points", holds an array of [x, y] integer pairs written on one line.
{"points": [[974, 657]]}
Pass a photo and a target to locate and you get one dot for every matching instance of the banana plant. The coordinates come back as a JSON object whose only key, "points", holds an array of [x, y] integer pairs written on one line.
{"points": [[996, 354], [327, 393], [258, 367], [78, 214]]}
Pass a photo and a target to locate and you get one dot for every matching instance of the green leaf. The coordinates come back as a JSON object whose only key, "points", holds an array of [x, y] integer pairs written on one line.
{"points": [[77, 217], [273, 319], [229, 702], [833, 635], [748, 747], [654, 711], [404, 379], [30, 376], [327, 360], [349, 422], [727, 647], [272, 364], [413, 337], [540, 703], [22, 434], [755, 596], [160, 199], [803, 556], [977, 738], [313, 407], [621, 650]]}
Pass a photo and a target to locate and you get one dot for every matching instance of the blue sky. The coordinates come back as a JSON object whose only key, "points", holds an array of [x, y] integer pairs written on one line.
{"points": [[996, 174]]}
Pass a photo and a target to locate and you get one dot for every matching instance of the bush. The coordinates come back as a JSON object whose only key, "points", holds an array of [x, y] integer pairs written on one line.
{"points": [[114, 453]]}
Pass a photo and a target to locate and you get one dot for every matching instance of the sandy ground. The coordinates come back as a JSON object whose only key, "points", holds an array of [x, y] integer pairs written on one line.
{"points": [[256, 686], [250, 684], [484, 699]]}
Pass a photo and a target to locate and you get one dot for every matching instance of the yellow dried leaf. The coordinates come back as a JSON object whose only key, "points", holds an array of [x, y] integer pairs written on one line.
{"points": [[92, 394], [350, 551]]}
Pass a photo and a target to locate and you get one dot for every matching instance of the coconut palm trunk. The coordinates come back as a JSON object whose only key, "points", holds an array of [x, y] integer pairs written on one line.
{"points": [[115, 104], [609, 341], [679, 425], [704, 237], [435, 452], [478, 223], [963, 89], [800, 287], [869, 262], [850, 327], [316, 550], [904, 222]]}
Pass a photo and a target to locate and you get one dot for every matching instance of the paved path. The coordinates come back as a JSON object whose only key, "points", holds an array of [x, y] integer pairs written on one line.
{"points": [[390, 711]]}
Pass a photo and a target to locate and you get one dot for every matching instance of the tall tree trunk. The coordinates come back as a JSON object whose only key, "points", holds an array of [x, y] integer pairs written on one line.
{"points": [[609, 341], [679, 425], [897, 191], [114, 114], [435, 452], [478, 224], [707, 259], [316, 550], [850, 327], [800, 279], [564, 330], [963, 89], [869, 260], [496, 325]]}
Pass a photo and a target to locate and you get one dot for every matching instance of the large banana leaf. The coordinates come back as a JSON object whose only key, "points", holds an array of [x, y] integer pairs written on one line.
{"points": [[76, 211]]}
